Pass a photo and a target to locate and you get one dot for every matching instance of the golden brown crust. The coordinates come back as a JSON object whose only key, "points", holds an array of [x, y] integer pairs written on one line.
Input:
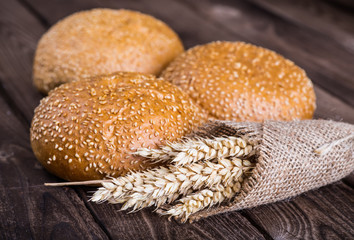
{"points": [[87, 129], [102, 41], [243, 82]]}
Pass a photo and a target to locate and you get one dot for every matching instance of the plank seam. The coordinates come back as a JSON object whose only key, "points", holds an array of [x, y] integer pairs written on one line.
{"points": [[265, 234], [43, 21], [13, 106], [93, 213], [347, 183]]}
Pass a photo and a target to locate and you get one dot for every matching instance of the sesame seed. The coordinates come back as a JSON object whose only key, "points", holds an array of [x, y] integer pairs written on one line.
{"points": [[237, 70], [97, 134]]}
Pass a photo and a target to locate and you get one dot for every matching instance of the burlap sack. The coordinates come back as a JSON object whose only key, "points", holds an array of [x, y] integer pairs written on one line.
{"points": [[287, 164]]}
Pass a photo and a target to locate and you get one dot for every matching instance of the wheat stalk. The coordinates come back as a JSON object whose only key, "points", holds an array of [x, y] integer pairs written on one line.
{"points": [[194, 150], [163, 185]]}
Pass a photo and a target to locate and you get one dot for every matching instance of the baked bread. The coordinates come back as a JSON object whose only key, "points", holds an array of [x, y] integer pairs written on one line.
{"points": [[102, 41], [88, 129], [242, 82]]}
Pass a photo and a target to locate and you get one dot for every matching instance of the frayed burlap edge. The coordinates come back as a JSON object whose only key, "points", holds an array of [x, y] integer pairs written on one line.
{"points": [[262, 186]]}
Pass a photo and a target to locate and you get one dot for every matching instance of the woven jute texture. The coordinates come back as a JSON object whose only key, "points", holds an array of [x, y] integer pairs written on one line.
{"points": [[287, 164]]}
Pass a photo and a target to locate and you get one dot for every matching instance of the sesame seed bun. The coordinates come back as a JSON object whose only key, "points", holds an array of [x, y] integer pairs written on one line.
{"points": [[88, 129], [242, 82], [102, 41]]}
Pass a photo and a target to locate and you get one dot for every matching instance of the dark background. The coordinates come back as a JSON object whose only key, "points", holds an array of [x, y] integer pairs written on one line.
{"points": [[316, 35]]}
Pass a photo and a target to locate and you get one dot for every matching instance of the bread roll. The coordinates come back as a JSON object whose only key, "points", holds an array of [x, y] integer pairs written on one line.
{"points": [[102, 41], [242, 82], [88, 129]]}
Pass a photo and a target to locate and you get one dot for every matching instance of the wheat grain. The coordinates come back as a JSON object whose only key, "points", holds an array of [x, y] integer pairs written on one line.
{"points": [[194, 150], [163, 185], [200, 200]]}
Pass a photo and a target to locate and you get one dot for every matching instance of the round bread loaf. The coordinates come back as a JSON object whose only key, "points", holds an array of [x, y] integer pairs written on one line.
{"points": [[242, 82], [88, 129], [102, 41]]}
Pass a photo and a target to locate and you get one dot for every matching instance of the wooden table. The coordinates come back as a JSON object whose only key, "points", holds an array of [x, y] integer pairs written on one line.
{"points": [[317, 35]]}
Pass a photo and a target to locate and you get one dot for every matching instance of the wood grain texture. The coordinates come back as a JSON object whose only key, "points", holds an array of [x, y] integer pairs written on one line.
{"points": [[167, 11], [18, 165], [128, 226], [327, 63], [347, 5], [310, 216], [331, 108], [39, 212], [349, 180], [19, 32], [146, 224], [319, 16], [28, 209]]}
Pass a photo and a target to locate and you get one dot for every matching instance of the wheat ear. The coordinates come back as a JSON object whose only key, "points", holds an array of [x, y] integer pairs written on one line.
{"points": [[194, 150], [164, 185], [205, 198], [200, 200]]}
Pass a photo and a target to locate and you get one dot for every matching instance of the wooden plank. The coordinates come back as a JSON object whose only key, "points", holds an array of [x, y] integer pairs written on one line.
{"points": [[146, 224], [19, 32], [18, 166], [27, 208], [327, 213], [331, 108], [327, 63], [39, 212], [317, 15]]}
